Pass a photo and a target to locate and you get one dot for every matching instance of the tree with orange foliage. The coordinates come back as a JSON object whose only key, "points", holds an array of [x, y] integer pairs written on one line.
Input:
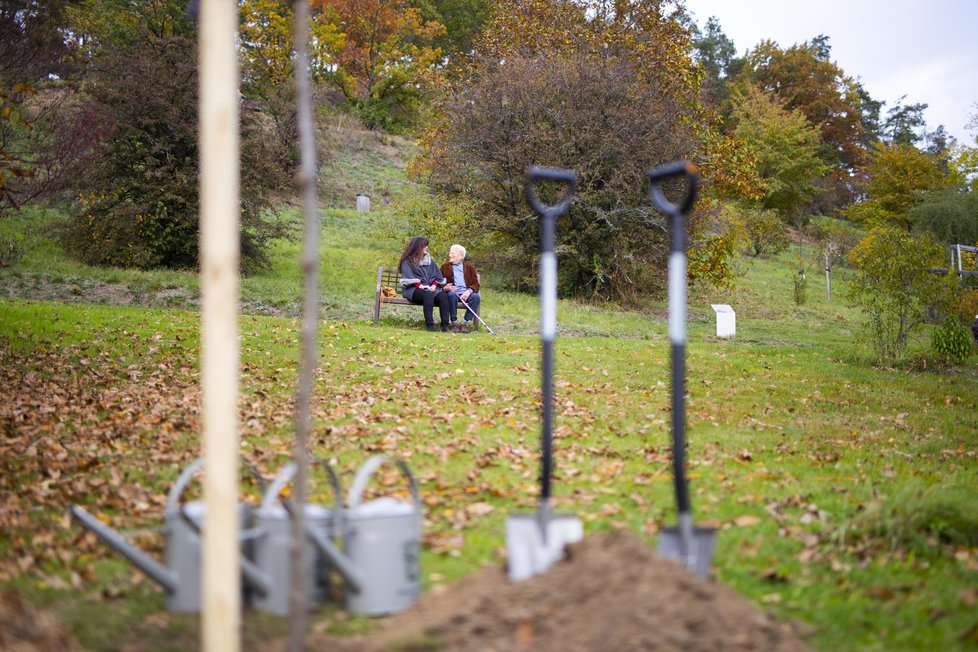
{"points": [[803, 78], [387, 63]]}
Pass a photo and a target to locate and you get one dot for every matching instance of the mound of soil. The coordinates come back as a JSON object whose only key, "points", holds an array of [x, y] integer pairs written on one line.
{"points": [[612, 593], [25, 628]]}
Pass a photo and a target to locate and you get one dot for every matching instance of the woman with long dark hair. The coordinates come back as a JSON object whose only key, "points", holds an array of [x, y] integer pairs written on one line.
{"points": [[422, 282]]}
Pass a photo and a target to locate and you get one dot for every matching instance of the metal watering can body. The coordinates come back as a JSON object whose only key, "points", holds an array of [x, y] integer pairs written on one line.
{"points": [[272, 549], [181, 576], [383, 541]]}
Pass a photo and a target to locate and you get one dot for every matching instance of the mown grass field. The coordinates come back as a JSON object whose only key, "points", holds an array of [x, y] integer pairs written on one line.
{"points": [[844, 493]]}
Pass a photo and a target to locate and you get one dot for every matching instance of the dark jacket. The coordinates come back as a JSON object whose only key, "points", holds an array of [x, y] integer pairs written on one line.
{"points": [[414, 275], [468, 269]]}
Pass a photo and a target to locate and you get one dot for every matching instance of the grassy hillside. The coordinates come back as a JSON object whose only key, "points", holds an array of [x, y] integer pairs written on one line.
{"points": [[843, 492]]}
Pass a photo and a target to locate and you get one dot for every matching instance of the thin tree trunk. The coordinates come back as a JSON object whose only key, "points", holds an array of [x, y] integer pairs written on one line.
{"points": [[219, 255], [299, 601]]}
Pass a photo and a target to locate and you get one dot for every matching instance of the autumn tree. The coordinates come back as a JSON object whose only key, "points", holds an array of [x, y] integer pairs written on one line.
{"points": [[267, 67], [387, 62], [98, 25], [899, 176], [786, 147], [608, 94], [802, 77]]}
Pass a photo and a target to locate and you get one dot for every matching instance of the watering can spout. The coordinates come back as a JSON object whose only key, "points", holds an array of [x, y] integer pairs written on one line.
{"points": [[155, 570], [342, 563]]}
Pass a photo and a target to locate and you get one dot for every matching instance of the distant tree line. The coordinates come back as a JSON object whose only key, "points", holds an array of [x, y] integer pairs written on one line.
{"points": [[99, 113]]}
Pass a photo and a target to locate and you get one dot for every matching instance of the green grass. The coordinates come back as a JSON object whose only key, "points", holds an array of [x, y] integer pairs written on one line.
{"points": [[843, 492]]}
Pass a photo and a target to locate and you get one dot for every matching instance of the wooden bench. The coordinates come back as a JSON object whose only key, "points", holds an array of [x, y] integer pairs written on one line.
{"points": [[391, 278]]}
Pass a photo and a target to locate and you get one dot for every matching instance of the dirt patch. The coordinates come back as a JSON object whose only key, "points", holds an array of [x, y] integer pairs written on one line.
{"points": [[613, 593], [82, 291], [25, 628]]}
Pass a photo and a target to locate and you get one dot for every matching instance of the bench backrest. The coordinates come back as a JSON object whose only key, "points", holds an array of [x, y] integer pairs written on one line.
{"points": [[389, 278]]}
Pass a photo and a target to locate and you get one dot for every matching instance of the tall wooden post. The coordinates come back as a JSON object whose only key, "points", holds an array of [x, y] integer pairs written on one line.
{"points": [[219, 255]]}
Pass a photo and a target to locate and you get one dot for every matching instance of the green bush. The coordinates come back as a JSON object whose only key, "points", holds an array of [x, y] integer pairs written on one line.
{"points": [[951, 214], [800, 281], [139, 202], [443, 222], [836, 237], [766, 232], [894, 287], [952, 341]]}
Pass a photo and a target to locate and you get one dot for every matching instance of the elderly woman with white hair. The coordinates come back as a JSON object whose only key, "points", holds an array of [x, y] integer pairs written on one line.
{"points": [[463, 283]]}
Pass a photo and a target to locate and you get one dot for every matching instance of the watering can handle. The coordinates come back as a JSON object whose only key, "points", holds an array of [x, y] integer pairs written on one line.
{"points": [[285, 476], [668, 171], [188, 473], [183, 480], [367, 470], [537, 173]]}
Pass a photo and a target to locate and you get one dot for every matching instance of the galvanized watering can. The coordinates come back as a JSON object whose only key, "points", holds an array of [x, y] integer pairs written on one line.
{"points": [[380, 565], [180, 577], [383, 541], [272, 547]]}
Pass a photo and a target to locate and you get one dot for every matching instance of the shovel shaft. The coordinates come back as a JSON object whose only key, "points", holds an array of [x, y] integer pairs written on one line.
{"points": [[546, 438], [548, 333], [677, 310], [677, 336], [548, 302]]}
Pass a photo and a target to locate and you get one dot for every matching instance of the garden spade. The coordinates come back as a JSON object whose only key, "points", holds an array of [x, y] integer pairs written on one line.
{"points": [[535, 541], [693, 547]]}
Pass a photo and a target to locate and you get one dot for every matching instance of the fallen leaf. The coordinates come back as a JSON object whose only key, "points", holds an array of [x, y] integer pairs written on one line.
{"points": [[746, 520]]}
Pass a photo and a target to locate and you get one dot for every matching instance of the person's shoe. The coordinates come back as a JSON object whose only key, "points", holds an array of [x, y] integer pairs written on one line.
{"points": [[464, 327], [445, 328], [455, 327], [431, 328]]}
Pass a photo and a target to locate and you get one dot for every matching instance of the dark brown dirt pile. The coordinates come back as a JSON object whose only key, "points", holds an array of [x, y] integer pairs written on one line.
{"points": [[612, 593], [25, 628]]}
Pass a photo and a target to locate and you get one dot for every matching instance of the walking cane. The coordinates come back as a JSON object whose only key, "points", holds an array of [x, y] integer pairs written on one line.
{"points": [[475, 313]]}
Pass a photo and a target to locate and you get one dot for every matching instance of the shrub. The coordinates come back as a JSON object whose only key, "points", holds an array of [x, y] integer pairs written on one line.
{"points": [[443, 222], [836, 238], [766, 232], [800, 282], [952, 341], [894, 288], [951, 214], [139, 202], [966, 308]]}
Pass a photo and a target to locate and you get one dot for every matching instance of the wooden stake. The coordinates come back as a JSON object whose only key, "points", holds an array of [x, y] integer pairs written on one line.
{"points": [[219, 255]]}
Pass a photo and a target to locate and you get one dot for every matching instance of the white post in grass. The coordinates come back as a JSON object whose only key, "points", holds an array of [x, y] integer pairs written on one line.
{"points": [[219, 253]]}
